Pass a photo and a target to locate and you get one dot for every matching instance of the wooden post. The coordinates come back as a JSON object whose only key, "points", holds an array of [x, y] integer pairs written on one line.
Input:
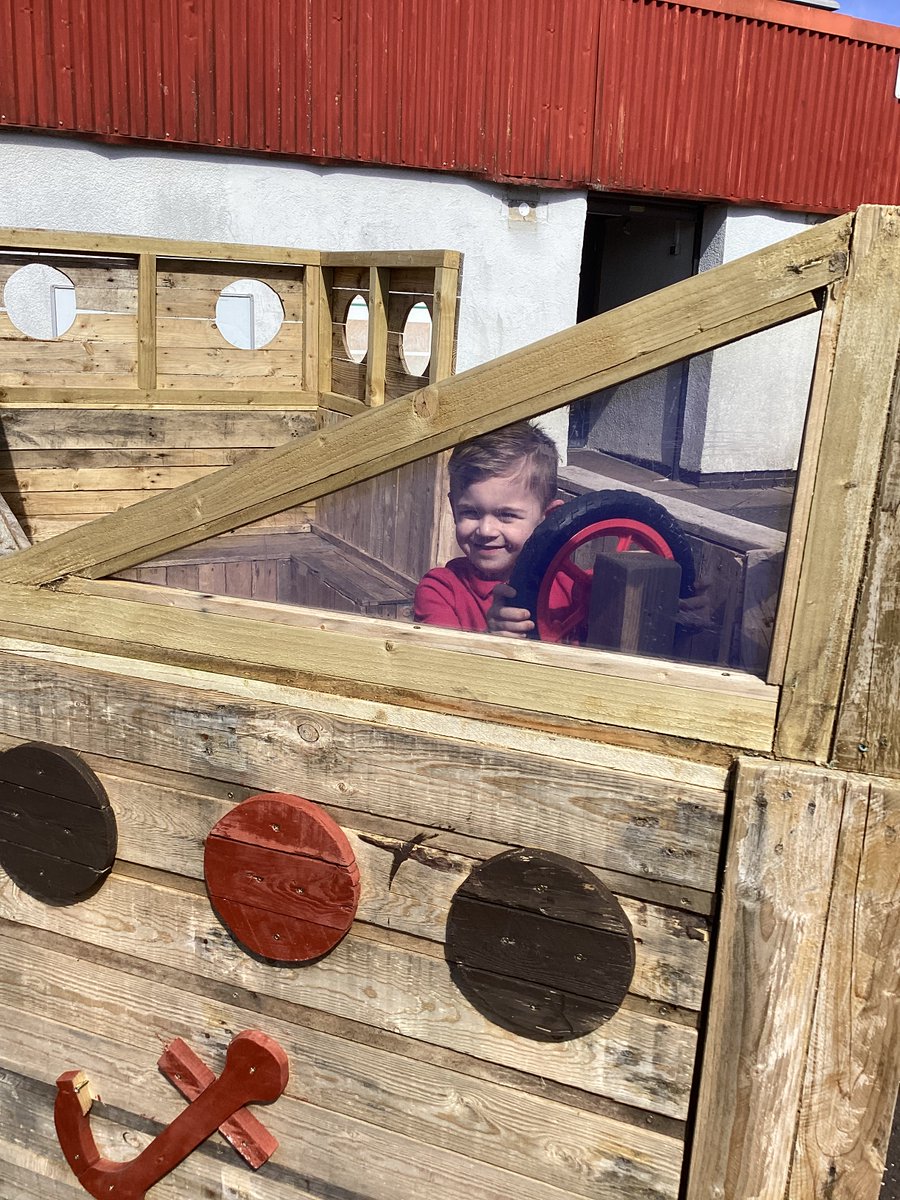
{"points": [[861, 384], [146, 364], [774, 907], [634, 602], [317, 329], [376, 355]]}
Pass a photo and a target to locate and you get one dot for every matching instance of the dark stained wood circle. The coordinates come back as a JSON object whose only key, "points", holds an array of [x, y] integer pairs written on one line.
{"points": [[539, 945], [282, 877], [57, 829]]}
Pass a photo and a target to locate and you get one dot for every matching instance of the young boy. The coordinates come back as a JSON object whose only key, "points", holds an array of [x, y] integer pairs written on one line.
{"points": [[502, 485]]}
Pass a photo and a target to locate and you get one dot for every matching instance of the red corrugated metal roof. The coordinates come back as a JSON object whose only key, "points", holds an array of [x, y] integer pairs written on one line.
{"points": [[754, 101]]}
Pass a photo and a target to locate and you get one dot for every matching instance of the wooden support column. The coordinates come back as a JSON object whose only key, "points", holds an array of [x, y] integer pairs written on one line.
{"points": [[774, 907], [146, 364], [440, 366], [317, 329], [853, 1067], [859, 393], [868, 736], [376, 355]]}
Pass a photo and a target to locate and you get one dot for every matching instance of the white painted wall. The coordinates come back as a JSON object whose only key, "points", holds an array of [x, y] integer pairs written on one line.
{"points": [[520, 272], [746, 402]]}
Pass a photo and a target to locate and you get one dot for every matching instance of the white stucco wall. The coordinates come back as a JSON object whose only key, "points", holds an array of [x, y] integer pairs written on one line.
{"points": [[520, 276], [746, 403]]}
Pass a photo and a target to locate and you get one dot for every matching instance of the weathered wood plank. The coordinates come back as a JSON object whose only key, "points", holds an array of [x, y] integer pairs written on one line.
{"points": [[109, 243], [698, 314], [645, 828], [847, 1101], [134, 428], [868, 735], [642, 1057], [215, 641], [655, 765], [213, 399], [147, 326], [441, 1109], [774, 907], [861, 385]]}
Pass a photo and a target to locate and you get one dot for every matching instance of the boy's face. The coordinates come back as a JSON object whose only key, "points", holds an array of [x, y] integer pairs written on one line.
{"points": [[494, 519]]}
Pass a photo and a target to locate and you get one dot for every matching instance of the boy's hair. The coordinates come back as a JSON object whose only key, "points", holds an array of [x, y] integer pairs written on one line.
{"points": [[502, 453]]}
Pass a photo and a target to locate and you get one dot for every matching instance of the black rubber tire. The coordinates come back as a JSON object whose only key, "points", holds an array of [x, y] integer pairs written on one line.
{"points": [[565, 522]]}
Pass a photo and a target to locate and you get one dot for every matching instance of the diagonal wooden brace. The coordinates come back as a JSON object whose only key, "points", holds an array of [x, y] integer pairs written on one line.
{"points": [[190, 1075]]}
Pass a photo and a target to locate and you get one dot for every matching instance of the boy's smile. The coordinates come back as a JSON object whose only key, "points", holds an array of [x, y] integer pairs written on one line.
{"points": [[494, 519]]}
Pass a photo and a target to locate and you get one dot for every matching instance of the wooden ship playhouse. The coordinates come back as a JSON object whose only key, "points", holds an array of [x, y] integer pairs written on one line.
{"points": [[402, 911]]}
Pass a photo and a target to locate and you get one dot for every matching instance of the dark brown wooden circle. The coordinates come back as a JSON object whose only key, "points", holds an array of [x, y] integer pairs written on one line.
{"points": [[57, 829], [282, 877], [539, 945]]}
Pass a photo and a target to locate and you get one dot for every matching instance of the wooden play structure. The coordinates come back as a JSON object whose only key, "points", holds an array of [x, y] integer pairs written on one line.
{"points": [[626, 928]]}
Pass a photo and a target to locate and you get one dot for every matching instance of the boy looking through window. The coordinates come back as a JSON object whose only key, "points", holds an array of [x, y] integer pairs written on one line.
{"points": [[502, 485]]}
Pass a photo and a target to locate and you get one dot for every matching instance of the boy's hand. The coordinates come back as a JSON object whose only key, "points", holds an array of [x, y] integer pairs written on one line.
{"points": [[506, 621]]}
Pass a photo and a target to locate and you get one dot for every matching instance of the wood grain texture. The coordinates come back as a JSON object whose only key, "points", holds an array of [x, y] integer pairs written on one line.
{"points": [[147, 330], [435, 1115], [861, 385], [116, 244], [692, 316], [774, 907], [853, 1068], [734, 709], [649, 829], [868, 733]]}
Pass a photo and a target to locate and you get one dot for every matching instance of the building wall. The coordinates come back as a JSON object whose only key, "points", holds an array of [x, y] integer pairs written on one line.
{"points": [[520, 270], [746, 402]]}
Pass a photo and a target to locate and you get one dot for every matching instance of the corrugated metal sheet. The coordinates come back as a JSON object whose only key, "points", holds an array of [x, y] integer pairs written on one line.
{"points": [[745, 100]]}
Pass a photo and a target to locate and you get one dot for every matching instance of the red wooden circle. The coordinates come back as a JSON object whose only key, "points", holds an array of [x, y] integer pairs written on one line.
{"points": [[282, 877]]}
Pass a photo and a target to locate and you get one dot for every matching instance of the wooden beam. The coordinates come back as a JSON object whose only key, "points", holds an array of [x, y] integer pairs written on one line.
{"points": [[64, 397], [861, 385], [853, 1067], [376, 354], [225, 636], [698, 314], [868, 736], [774, 906], [317, 329], [101, 244], [391, 258], [443, 323], [146, 364]]}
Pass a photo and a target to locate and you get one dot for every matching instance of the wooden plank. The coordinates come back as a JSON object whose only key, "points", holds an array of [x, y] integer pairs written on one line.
{"points": [[345, 405], [391, 258], [861, 386], [147, 329], [214, 641], [165, 818], [641, 1057], [695, 315], [212, 399], [443, 326], [317, 329], [853, 1067], [867, 735], [669, 767], [397, 1096], [820, 390], [778, 873], [72, 480], [108, 243], [20, 461], [376, 356], [652, 830], [132, 428], [180, 336]]}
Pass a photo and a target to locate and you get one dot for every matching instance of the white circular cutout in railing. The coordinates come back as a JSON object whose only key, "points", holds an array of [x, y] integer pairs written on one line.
{"points": [[415, 341], [249, 314], [356, 329], [40, 301]]}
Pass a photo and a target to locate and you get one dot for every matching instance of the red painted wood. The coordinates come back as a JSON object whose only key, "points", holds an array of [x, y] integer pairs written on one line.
{"points": [[256, 1071], [190, 1075], [282, 877]]}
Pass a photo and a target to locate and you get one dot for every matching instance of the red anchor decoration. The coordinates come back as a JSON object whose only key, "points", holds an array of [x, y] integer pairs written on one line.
{"points": [[256, 1071]]}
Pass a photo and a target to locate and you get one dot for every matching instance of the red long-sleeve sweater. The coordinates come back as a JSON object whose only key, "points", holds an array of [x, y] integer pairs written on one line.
{"points": [[454, 597]]}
